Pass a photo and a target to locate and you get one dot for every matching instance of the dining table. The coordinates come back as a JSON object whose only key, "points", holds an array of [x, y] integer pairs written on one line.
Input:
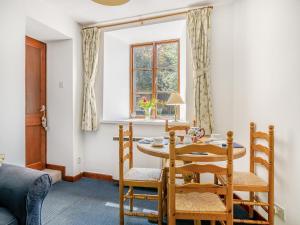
{"points": [[163, 152]]}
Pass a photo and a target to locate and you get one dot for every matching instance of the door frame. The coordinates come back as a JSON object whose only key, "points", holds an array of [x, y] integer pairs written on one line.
{"points": [[36, 43]]}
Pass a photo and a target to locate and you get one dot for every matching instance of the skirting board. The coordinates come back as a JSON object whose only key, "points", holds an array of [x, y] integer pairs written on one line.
{"points": [[96, 176]]}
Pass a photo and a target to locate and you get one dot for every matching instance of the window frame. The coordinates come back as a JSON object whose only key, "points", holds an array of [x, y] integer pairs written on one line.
{"points": [[154, 70]]}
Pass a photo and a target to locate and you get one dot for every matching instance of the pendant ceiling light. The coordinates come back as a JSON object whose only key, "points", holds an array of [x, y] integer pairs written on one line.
{"points": [[111, 2]]}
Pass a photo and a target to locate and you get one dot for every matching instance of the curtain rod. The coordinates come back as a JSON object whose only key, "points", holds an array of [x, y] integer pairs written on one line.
{"points": [[146, 18]]}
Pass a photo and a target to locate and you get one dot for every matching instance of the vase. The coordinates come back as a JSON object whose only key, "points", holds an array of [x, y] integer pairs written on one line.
{"points": [[148, 114]]}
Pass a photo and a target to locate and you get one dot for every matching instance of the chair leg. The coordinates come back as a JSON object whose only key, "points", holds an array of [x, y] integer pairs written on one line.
{"points": [[160, 204], [121, 193], [271, 208], [251, 209], [230, 219], [165, 193], [131, 198], [171, 220]]}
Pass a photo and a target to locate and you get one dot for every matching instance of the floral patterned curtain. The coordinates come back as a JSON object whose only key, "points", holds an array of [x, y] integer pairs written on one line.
{"points": [[90, 50], [198, 25]]}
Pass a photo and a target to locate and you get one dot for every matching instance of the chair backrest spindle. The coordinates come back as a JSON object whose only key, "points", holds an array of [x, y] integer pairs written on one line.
{"points": [[130, 146], [271, 167], [172, 174], [252, 143], [123, 145], [229, 198]]}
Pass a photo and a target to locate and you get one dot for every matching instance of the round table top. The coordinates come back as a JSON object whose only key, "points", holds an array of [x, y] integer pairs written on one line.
{"points": [[163, 152]]}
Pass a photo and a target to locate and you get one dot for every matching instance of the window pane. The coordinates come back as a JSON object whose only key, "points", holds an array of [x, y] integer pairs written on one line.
{"points": [[142, 80], [166, 76], [167, 80], [142, 57], [164, 110], [167, 55], [139, 111]]}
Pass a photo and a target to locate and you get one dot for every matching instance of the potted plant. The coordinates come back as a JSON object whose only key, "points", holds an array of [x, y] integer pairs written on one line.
{"points": [[147, 106]]}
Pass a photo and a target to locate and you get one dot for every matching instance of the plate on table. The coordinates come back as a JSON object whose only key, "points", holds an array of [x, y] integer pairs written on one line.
{"points": [[157, 145]]}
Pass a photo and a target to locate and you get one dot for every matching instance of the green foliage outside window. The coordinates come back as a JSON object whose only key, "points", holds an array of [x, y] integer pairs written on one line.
{"points": [[163, 72]]}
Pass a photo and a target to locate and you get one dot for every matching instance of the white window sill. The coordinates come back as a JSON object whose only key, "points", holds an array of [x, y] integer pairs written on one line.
{"points": [[151, 122]]}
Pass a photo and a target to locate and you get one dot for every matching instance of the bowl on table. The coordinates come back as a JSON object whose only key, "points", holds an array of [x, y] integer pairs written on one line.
{"points": [[158, 142]]}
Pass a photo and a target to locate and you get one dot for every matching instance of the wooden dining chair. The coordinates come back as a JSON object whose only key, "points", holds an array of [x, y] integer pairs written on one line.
{"points": [[196, 201], [137, 177], [182, 127], [168, 128], [251, 182], [175, 128]]}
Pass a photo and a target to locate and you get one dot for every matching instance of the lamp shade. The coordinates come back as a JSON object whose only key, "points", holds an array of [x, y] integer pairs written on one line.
{"points": [[175, 99], [111, 2]]}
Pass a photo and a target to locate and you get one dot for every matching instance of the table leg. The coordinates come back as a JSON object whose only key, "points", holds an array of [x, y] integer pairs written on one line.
{"points": [[197, 222]]}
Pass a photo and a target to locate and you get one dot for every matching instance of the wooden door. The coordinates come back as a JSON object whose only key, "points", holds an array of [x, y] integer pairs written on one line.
{"points": [[35, 78]]}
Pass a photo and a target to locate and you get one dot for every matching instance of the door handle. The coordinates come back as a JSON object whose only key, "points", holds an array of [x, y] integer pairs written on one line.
{"points": [[44, 118]]}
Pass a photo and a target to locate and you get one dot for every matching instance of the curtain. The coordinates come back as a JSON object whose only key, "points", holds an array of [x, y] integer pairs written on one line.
{"points": [[198, 26], [90, 52]]}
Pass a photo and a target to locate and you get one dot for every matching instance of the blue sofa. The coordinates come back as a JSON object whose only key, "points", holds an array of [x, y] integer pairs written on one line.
{"points": [[22, 192]]}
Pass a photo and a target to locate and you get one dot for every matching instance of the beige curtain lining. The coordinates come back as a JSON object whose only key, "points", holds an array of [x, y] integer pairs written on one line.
{"points": [[199, 32], [90, 52]]}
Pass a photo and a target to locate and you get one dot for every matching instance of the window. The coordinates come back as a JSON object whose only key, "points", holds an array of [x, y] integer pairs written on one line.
{"points": [[154, 72]]}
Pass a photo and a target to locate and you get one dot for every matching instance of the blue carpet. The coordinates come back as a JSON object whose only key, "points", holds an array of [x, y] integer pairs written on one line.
{"points": [[85, 203]]}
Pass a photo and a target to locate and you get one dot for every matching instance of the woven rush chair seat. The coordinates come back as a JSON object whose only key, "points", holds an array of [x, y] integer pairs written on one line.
{"points": [[245, 180], [199, 202], [143, 174]]}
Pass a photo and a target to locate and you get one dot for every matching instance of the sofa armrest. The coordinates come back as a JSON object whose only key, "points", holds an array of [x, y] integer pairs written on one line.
{"points": [[22, 192]]}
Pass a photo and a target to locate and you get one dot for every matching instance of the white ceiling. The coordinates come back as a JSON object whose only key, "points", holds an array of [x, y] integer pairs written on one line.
{"points": [[42, 32], [88, 12]]}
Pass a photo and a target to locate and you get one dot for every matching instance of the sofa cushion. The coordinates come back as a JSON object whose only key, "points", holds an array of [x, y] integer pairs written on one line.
{"points": [[6, 218]]}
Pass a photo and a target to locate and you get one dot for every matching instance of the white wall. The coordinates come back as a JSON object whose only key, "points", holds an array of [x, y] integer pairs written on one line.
{"points": [[222, 67], [12, 81], [59, 96], [266, 88], [115, 78], [101, 153], [77, 101], [13, 17]]}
